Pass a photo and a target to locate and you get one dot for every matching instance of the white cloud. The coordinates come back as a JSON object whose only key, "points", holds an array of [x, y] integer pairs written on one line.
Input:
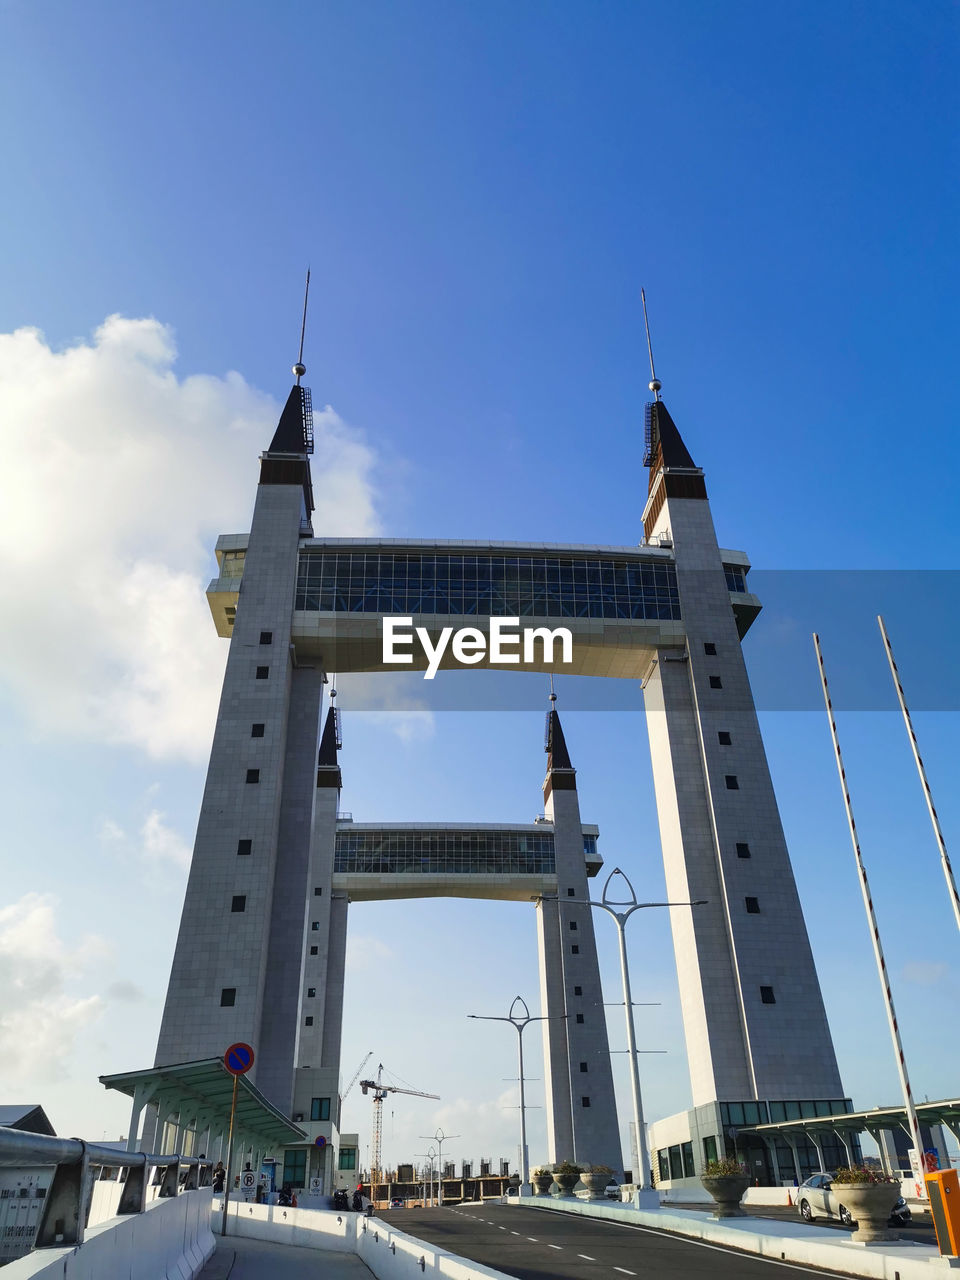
{"points": [[366, 953], [117, 477], [41, 1015], [161, 843], [159, 849]]}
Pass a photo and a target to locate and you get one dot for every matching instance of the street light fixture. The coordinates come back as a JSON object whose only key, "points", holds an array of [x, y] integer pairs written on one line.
{"points": [[520, 1021], [439, 1138], [646, 1196]]}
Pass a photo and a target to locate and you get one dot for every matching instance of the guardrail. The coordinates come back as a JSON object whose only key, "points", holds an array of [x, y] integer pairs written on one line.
{"points": [[66, 1208]]}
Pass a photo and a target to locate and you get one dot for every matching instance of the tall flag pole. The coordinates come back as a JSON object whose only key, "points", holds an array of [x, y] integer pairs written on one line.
{"points": [[928, 794], [874, 928]]}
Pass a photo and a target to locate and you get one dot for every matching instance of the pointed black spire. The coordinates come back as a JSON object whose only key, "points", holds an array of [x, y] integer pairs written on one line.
{"points": [[329, 741], [328, 764], [556, 746], [665, 447], [294, 433]]}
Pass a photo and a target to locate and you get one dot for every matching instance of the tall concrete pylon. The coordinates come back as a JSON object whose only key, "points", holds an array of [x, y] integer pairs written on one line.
{"points": [[753, 1012], [578, 1081]]}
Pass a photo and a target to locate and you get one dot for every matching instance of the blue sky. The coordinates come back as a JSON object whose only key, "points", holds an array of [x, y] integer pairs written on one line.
{"points": [[481, 190]]}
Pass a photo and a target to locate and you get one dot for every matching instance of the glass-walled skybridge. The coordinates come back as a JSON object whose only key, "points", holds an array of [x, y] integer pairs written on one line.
{"points": [[375, 861], [619, 603]]}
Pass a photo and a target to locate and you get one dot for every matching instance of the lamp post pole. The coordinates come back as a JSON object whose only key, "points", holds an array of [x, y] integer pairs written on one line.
{"points": [[646, 1196], [439, 1138], [520, 1021]]}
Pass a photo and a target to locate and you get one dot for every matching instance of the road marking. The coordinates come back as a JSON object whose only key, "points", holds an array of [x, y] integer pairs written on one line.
{"points": [[586, 1257], [737, 1253], [514, 1233], [532, 1239], [624, 1271], [501, 1228], [554, 1246]]}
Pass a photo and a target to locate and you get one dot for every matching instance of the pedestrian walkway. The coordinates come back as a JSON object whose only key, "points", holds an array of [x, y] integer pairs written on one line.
{"points": [[240, 1259]]}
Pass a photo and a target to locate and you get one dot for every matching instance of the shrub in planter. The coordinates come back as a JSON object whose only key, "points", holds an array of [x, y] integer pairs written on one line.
{"points": [[567, 1176], [542, 1178], [726, 1181], [595, 1178], [867, 1197]]}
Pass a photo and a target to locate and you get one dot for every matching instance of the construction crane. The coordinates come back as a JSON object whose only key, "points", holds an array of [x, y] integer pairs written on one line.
{"points": [[380, 1091], [356, 1076]]}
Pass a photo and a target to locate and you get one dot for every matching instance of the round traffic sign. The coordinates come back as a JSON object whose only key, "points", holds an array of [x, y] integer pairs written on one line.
{"points": [[321, 1141], [238, 1059], [248, 1180]]}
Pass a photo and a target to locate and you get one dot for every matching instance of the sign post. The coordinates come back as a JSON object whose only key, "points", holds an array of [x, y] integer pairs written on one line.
{"points": [[238, 1060]]}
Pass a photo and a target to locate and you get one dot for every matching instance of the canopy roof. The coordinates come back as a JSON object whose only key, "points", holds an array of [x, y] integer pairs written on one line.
{"points": [[206, 1088], [946, 1112]]}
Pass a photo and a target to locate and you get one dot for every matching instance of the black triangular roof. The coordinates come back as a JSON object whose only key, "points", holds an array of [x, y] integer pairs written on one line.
{"points": [[556, 748], [328, 741], [673, 450], [289, 435]]}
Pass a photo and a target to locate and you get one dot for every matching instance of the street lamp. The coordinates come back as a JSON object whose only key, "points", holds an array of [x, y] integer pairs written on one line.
{"points": [[439, 1138], [429, 1156], [520, 1021], [646, 1196]]}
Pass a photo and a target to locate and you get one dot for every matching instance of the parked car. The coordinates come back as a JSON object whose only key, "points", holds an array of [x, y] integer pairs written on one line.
{"points": [[816, 1198], [396, 1203]]}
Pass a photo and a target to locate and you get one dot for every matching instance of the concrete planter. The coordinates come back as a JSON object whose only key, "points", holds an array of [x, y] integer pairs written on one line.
{"points": [[870, 1205], [596, 1185], [727, 1192], [566, 1182], [541, 1183]]}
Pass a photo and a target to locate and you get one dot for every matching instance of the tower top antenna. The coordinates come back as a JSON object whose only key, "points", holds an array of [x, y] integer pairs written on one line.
{"points": [[300, 368], [654, 383], [553, 696]]}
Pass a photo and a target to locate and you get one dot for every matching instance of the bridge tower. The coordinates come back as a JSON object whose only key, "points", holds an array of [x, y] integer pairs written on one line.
{"points": [[578, 1080], [237, 965], [753, 1012]]}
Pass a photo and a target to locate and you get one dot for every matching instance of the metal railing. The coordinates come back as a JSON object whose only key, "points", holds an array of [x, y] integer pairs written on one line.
{"points": [[66, 1209]]}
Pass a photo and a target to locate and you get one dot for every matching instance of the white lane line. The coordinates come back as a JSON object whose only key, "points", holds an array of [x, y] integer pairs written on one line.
{"points": [[717, 1248], [554, 1246], [532, 1239], [514, 1233], [586, 1257], [624, 1272], [501, 1228]]}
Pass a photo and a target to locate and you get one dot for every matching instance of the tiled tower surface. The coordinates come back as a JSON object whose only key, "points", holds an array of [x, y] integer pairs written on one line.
{"points": [[581, 1104], [752, 1008], [236, 968], [321, 994]]}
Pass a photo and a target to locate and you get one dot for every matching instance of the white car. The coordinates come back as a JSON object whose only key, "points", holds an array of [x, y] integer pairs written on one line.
{"points": [[817, 1198]]}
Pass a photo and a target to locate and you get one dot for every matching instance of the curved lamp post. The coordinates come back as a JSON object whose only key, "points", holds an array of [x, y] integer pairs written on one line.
{"points": [[439, 1138], [520, 1021], [646, 1196]]}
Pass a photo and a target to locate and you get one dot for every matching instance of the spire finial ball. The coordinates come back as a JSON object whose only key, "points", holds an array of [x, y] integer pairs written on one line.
{"points": [[655, 384], [553, 697], [299, 370]]}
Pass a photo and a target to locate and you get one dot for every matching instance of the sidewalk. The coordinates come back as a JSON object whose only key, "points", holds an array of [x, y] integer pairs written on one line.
{"points": [[779, 1241], [238, 1258]]}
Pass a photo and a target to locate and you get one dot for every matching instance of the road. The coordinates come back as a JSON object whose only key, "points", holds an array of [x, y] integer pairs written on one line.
{"points": [[535, 1244]]}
